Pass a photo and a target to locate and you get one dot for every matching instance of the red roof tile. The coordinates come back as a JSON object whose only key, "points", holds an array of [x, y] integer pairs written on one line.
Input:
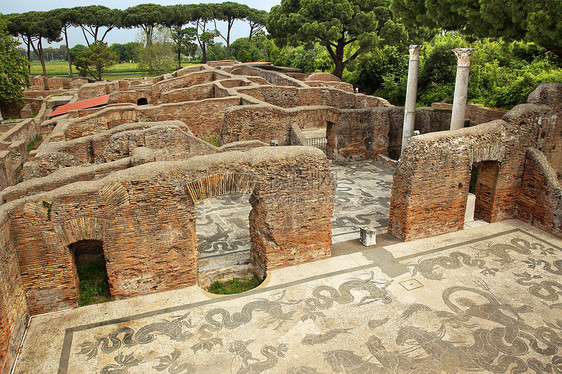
{"points": [[88, 103]]}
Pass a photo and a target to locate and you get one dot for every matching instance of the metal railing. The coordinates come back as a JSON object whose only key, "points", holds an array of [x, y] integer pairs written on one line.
{"points": [[319, 143]]}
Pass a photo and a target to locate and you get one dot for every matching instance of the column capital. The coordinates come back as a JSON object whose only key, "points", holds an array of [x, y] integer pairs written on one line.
{"points": [[415, 52], [463, 55]]}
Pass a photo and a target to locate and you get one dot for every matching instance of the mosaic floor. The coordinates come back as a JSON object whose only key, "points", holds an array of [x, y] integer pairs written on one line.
{"points": [[488, 299], [362, 199]]}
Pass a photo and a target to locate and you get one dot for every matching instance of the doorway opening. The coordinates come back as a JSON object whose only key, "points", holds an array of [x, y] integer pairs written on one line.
{"points": [[223, 239], [91, 272], [142, 101], [485, 190]]}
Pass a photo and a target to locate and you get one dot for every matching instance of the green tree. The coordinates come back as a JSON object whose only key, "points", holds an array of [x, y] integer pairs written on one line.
{"points": [[201, 16], [126, 52], [184, 41], [66, 18], [75, 50], [216, 51], [335, 24], [93, 19], [13, 68], [33, 27], [145, 16], [96, 60], [531, 20], [260, 48], [257, 20], [229, 12], [158, 57]]}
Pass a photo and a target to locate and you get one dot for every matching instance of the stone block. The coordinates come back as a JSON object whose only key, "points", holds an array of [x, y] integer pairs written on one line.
{"points": [[367, 236]]}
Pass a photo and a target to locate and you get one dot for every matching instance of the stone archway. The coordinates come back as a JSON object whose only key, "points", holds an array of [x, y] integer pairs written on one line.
{"points": [[90, 271], [82, 237], [222, 226]]}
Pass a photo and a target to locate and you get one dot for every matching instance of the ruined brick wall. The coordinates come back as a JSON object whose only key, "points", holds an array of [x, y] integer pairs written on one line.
{"points": [[550, 137], [431, 181], [202, 117], [198, 92], [145, 217], [290, 97], [38, 183], [182, 81], [266, 122], [272, 77], [257, 122], [90, 90], [13, 306], [540, 202], [475, 113], [168, 141], [359, 134], [427, 120]]}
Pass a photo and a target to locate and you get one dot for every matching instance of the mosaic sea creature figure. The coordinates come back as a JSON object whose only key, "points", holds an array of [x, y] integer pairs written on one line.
{"points": [[347, 361], [123, 363], [109, 344], [274, 308], [311, 339], [271, 355], [173, 329], [325, 296], [172, 365]]}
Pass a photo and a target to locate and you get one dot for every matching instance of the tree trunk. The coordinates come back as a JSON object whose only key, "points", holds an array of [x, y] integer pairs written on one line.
{"points": [[42, 57], [338, 59], [68, 53], [179, 56], [1, 118], [29, 54], [203, 53]]}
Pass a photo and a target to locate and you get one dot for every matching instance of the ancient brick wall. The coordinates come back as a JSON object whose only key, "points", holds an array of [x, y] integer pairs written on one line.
{"points": [[431, 181], [168, 140], [182, 81], [202, 117], [35, 183], [475, 113], [360, 134], [13, 306], [197, 92], [272, 77], [145, 217], [540, 202], [550, 137], [90, 90], [427, 120], [290, 97]]}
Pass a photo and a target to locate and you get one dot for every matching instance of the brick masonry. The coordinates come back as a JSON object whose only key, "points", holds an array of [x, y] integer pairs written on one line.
{"points": [[431, 181], [146, 220]]}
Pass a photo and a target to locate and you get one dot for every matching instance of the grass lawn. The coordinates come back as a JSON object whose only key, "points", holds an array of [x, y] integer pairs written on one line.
{"points": [[235, 285], [94, 286], [59, 68]]}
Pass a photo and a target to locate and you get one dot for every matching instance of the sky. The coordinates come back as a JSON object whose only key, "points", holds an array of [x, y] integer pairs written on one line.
{"points": [[240, 29]]}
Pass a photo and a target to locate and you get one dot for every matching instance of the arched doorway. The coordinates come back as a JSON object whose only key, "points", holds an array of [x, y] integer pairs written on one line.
{"points": [[90, 271], [142, 101], [223, 204]]}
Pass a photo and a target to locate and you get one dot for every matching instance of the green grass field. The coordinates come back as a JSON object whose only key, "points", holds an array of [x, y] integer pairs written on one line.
{"points": [[59, 68]]}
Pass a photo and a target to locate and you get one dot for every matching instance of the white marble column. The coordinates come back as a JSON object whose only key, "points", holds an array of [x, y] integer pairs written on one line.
{"points": [[461, 87], [411, 92]]}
